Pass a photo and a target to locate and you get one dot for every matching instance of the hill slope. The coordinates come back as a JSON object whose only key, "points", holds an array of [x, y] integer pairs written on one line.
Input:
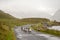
{"points": [[5, 15], [34, 20], [5, 26]]}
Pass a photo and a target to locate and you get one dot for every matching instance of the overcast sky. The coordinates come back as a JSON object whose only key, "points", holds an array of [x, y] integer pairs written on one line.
{"points": [[28, 8]]}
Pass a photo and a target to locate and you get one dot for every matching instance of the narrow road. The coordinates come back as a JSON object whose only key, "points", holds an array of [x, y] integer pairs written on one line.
{"points": [[21, 35]]}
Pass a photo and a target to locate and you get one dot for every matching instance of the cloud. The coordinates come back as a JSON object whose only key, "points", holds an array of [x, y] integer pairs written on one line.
{"points": [[18, 6]]}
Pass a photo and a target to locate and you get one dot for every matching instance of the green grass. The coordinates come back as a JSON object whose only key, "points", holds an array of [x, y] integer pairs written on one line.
{"points": [[45, 30], [6, 26], [52, 32], [9, 36]]}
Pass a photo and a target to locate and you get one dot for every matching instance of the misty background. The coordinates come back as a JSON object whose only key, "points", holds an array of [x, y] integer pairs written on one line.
{"points": [[32, 8]]}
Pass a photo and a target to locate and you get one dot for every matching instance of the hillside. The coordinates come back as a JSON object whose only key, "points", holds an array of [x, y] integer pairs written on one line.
{"points": [[6, 23], [34, 20], [56, 16], [5, 15]]}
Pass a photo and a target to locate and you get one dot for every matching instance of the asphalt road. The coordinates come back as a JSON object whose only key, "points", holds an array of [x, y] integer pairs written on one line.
{"points": [[21, 35]]}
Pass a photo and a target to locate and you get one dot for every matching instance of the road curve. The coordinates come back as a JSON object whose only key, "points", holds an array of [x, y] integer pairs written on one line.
{"points": [[21, 35]]}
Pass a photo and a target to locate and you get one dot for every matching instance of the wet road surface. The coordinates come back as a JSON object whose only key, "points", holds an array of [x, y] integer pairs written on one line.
{"points": [[33, 35]]}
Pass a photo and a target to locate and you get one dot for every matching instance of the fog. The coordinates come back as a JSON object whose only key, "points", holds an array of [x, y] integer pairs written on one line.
{"points": [[30, 8]]}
